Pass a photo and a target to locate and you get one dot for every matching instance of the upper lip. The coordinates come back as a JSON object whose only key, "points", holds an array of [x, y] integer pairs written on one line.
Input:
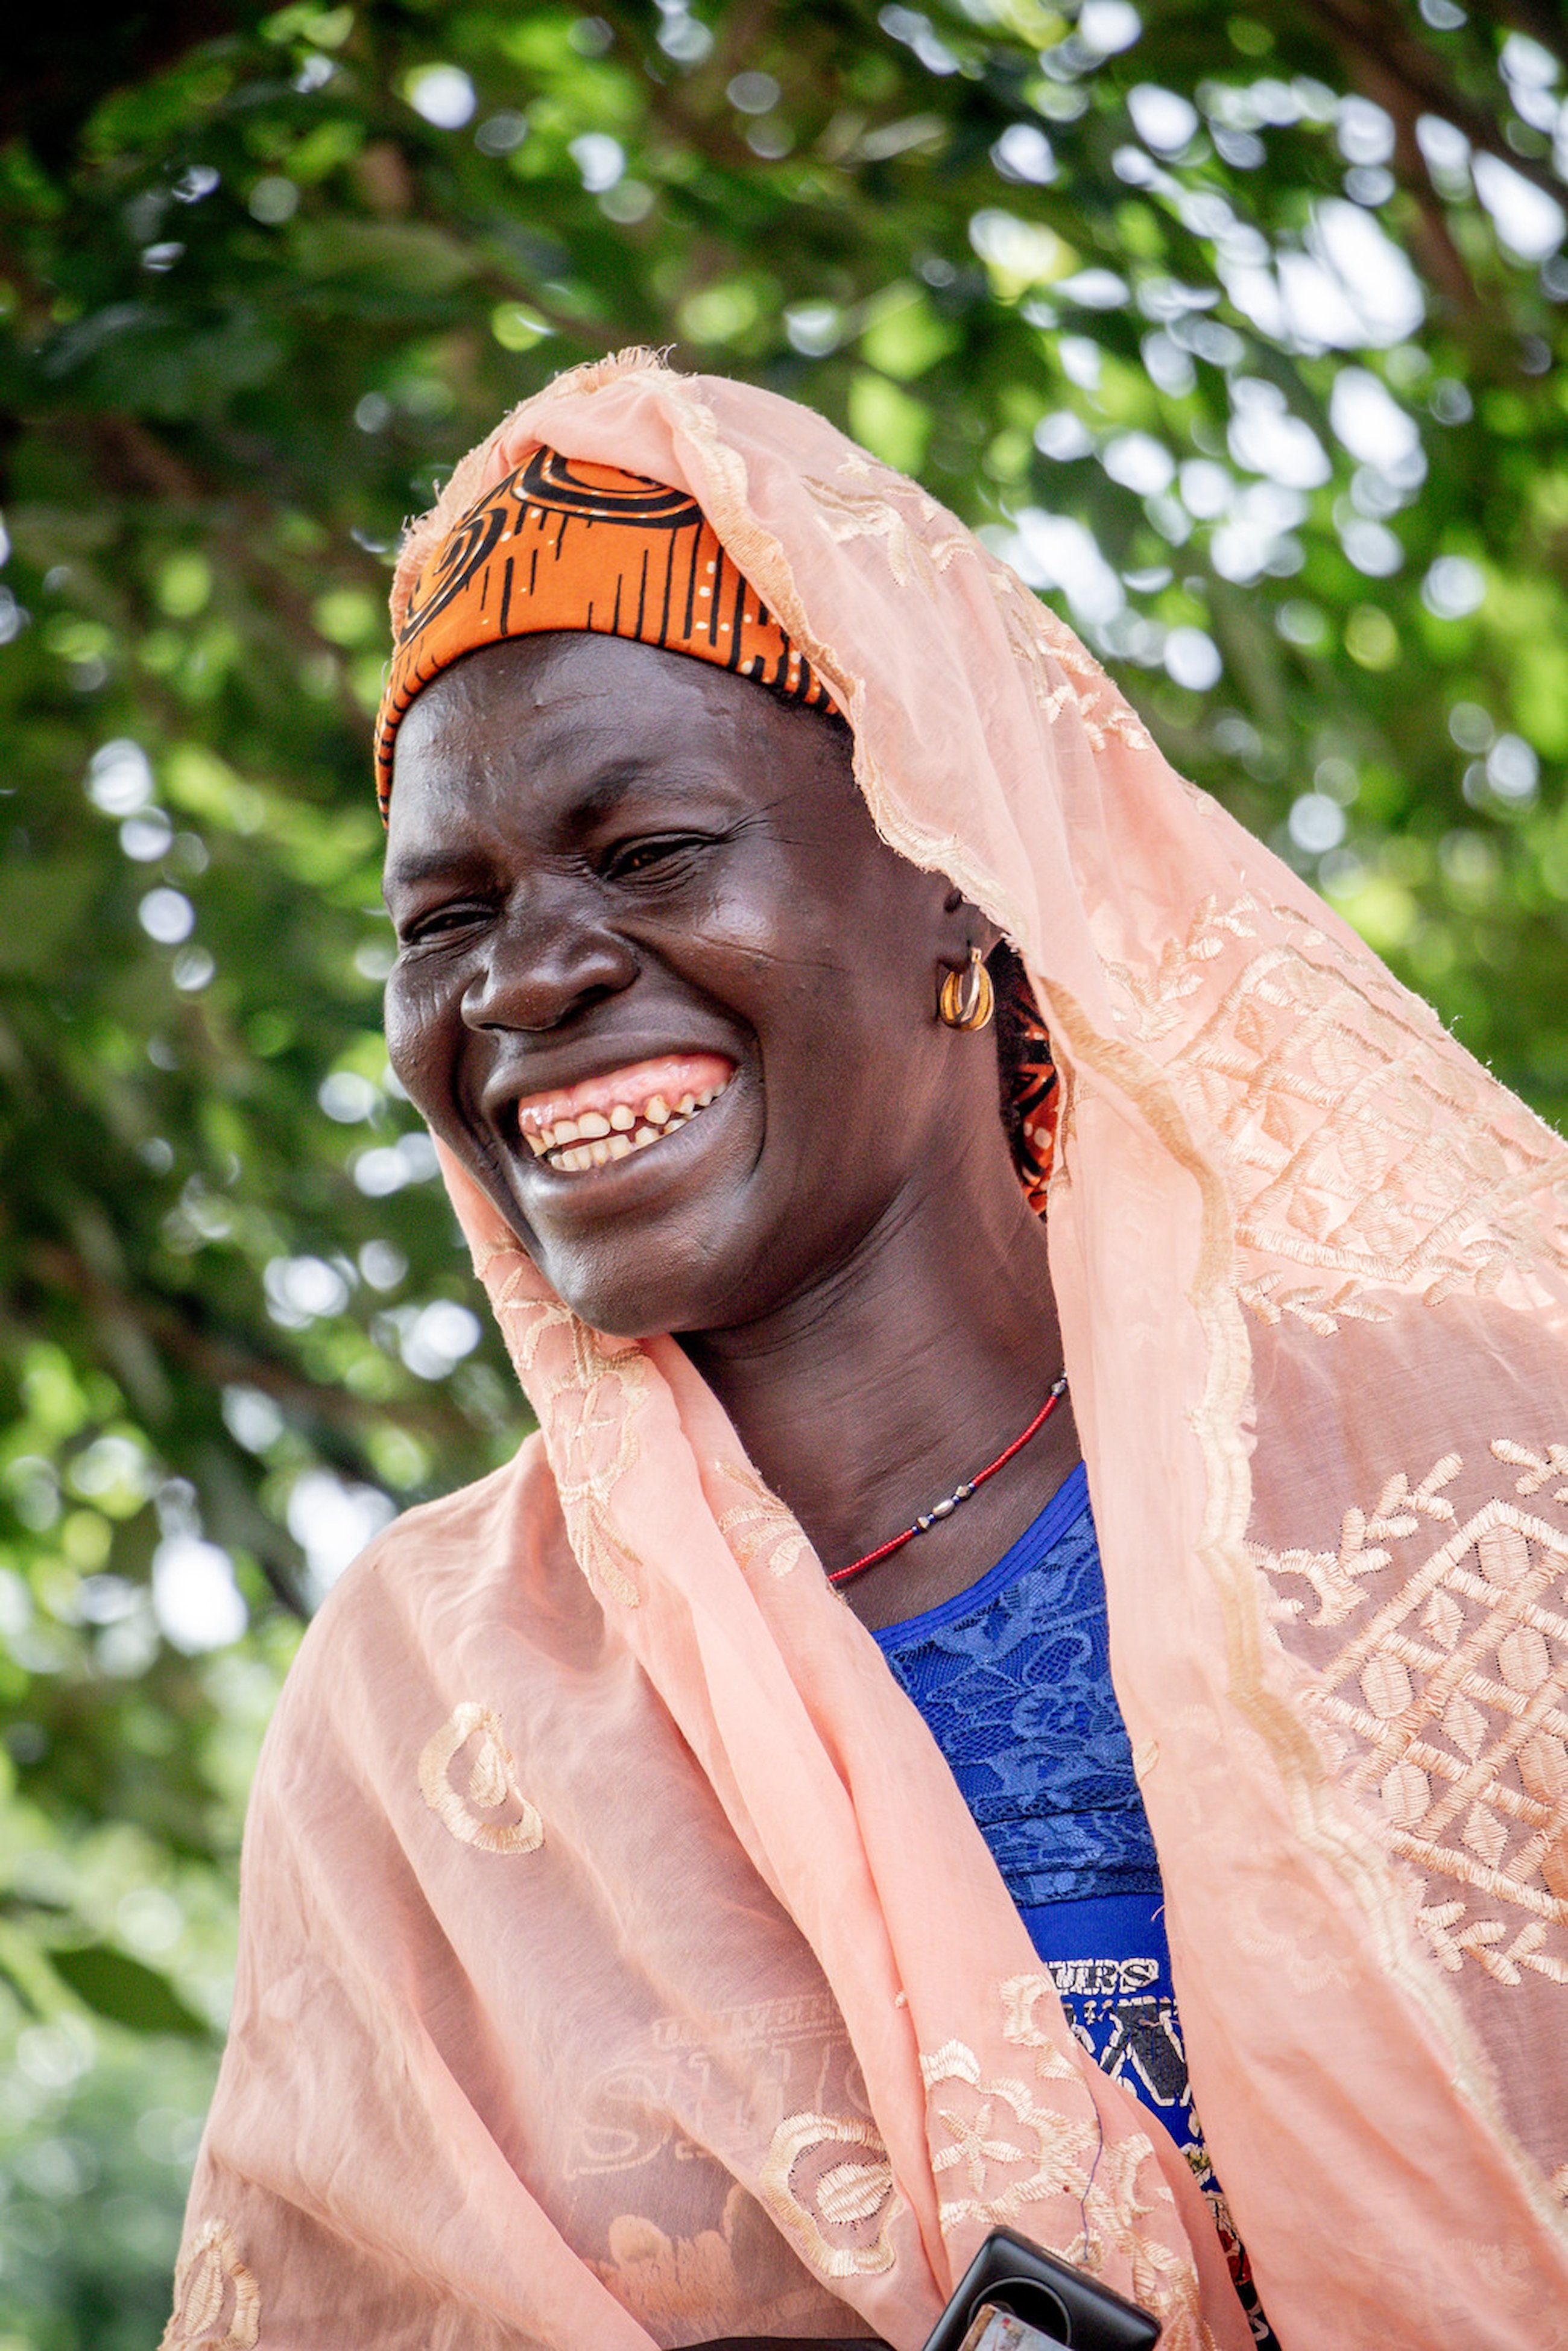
{"points": [[526, 1083]]}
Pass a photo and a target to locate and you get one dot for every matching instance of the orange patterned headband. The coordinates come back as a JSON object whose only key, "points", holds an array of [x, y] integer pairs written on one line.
{"points": [[561, 544]]}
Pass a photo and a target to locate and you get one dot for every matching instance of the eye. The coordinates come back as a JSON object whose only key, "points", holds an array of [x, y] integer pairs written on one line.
{"points": [[655, 857], [439, 923]]}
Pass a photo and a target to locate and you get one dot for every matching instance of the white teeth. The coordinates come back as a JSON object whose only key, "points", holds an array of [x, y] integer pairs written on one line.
{"points": [[597, 1137]]}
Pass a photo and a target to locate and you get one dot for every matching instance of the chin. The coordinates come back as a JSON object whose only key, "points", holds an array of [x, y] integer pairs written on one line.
{"points": [[649, 1287], [653, 1310], [641, 1249]]}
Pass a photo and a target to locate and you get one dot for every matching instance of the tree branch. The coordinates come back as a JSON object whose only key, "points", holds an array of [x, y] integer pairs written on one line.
{"points": [[1383, 55]]}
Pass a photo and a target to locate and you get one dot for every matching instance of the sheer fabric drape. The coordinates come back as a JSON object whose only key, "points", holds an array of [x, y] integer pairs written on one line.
{"points": [[620, 1959]]}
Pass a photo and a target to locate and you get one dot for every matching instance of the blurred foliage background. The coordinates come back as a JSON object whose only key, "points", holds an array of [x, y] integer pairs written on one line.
{"points": [[1240, 330]]}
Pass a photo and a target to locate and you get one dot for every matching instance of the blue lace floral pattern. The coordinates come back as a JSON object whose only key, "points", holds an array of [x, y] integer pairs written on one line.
{"points": [[1014, 1679]]}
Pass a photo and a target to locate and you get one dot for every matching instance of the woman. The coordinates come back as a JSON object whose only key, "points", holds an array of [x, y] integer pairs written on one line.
{"points": [[623, 1957]]}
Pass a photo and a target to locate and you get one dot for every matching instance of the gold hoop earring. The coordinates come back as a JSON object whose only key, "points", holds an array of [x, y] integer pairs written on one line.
{"points": [[967, 999]]}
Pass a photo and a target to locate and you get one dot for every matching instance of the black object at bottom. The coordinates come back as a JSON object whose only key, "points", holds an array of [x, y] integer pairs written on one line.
{"points": [[1062, 2303]]}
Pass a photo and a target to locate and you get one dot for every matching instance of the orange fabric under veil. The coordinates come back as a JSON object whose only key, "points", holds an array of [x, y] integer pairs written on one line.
{"points": [[555, 545], [620, 1962]]}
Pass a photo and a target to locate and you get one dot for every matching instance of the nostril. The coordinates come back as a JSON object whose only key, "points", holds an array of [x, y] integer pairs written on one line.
{"points": [[544, 990]]}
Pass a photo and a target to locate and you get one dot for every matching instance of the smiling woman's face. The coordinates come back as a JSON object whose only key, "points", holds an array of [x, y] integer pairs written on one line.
{"points": [[661, 986]]}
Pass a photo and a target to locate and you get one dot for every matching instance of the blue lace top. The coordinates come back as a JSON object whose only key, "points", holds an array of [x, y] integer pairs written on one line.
{"points": [[1013, 1678]]}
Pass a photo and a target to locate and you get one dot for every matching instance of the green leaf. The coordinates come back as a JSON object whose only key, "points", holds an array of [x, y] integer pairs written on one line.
{"points": [[125, 1991]]}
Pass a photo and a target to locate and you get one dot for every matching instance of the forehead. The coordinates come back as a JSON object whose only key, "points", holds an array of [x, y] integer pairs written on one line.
{"points": [[554, 684], [542, 698], [527, 728]]}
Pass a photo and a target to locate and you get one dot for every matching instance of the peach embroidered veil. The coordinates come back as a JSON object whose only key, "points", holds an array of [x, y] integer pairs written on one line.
{"points": [[620, 1961]]}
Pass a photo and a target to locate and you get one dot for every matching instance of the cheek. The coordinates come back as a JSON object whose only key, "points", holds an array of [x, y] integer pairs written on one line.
{"points": [[786, 931], [419, 1029]]}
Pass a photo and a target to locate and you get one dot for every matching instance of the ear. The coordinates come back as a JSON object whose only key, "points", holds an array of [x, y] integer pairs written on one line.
{"points": [[962, 926]]}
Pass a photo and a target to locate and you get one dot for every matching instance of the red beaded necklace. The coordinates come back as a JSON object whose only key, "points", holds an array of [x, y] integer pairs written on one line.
{"points": [[949, 1503]]}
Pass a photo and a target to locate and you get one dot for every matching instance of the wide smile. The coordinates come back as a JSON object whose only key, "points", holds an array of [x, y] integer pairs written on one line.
{"points": [[575, 1131]]}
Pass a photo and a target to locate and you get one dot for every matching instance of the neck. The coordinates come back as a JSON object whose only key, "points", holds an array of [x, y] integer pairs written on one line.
{"points": [[867, 1398]]}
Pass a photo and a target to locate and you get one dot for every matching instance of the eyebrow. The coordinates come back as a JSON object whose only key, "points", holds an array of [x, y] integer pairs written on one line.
{"points": [[612, 784], [411, 870], [599, 798]]}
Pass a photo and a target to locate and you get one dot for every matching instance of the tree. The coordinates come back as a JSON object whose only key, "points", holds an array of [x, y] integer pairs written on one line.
{"points": [[1238, 331]]}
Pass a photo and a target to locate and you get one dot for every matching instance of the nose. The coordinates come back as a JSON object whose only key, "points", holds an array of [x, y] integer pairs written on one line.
{"points": [[548, 962]]}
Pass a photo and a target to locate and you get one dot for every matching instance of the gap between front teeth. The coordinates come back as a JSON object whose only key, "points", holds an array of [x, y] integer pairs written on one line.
{"points": [[575, 1144]]}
